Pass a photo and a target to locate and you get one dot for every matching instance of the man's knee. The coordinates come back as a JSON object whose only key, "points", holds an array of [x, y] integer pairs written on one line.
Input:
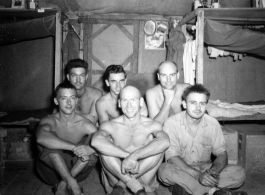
{"points": [[164, 170], [240, 175]]}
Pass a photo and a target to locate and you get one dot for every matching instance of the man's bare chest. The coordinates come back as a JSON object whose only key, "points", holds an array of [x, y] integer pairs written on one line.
{"points": [[84, 105]]}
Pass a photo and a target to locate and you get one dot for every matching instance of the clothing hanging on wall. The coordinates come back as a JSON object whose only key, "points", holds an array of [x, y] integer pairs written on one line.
{"points": [[189, 58]]}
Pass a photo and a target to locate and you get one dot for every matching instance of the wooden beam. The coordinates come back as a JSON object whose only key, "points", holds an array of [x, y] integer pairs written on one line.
{"points": [[58, 55], [200, 46]]}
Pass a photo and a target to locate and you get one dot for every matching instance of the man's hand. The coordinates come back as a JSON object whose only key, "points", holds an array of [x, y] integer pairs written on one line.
{"points": [[206, 179], [129, 165], [83, 151], [168, 95]]}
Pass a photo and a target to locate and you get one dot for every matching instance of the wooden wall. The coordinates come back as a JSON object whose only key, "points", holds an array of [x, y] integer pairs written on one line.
{"points": [[235, 81], [27, 75]]}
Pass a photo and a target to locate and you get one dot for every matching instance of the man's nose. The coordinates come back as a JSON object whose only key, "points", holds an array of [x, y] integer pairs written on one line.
{"points": [[168, 79], [68, 101]]}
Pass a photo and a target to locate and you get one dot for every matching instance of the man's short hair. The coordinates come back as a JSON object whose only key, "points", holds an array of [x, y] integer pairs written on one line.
{"points": [[75, 63], [171, 62], [64, 85], [197, 88], [113, 69]]}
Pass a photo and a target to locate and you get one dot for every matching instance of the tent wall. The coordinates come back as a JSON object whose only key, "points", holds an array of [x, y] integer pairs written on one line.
{"points": [[27, 75], [234, 81]]}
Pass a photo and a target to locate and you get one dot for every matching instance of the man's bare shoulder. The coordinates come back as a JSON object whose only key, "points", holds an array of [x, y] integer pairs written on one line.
{"points": [[150, 122], [154, 90], [92, 91], [183, 86], [49, 119], [104, 100]]}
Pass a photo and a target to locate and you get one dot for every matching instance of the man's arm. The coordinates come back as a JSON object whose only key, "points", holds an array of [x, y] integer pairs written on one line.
{"points": [[48, 139], [219, 164], [93, 111], [85, 149], [144, 110], [159, 115], [101, 142], [156, 146], [101, 111]]}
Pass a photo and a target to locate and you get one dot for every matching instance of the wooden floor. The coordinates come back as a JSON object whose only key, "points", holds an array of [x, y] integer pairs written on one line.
{"points": [[19, 178]]}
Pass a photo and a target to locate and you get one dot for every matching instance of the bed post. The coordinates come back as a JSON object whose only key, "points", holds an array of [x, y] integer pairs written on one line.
{"points": [[199, 46], [58, 47]]}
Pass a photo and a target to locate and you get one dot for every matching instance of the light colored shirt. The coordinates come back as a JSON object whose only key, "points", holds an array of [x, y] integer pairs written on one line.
{"points": [[194, 149]]}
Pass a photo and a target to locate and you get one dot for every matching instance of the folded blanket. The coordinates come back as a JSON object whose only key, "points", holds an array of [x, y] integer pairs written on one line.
{"points": [[224, 109]]}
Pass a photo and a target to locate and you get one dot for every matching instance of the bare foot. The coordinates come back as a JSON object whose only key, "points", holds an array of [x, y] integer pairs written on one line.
{"points": [[61, 189], [74, 188]]}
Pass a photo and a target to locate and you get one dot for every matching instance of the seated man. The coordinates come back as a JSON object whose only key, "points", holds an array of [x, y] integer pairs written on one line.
{"points": [[131, 147], [63, 139], [76, 71], [194, 136], [107, 105], [164, 99]]}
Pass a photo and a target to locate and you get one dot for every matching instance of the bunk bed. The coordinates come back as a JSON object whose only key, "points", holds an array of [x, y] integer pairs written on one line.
{"points": [[23, 24], [228, 18]]}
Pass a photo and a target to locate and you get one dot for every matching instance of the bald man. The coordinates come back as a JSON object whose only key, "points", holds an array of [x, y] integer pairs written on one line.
{"points": [[131, 147], [164, 100]]}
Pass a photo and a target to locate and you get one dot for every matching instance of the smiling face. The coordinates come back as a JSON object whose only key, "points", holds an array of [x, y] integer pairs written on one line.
{"points": [[77, 77], [130, 101], [195, 105], [116, 82], [66, 100], [168, 75]]}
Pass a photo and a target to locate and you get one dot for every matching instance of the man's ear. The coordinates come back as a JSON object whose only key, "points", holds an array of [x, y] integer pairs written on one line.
{"points": [[119, 103], [141, 101], [107, 82], [178, 75], [125, 81], [67, 76], [158, 76], [86, 75], [184, 104], [55, 101]]}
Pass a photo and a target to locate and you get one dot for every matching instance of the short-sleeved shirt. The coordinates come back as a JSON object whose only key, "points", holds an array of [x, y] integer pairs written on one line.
{"points": [[194, 149]]}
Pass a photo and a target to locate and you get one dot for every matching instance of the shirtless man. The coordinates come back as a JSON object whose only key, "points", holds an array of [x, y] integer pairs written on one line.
{"points": [[76, 71], [107, 105], [132, 157], [63, 139], [164, 99]]}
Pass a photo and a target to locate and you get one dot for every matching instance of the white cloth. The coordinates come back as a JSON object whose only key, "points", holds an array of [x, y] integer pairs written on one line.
{"points": [[189, 57]]}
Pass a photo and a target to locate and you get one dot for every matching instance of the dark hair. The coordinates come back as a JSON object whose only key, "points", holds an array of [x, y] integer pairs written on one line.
{"points": [[113, 69], [197, 88], [75, 63], [64, 85], [171, 62]]}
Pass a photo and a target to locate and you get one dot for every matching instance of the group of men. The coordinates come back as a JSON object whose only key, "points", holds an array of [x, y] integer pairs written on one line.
{"points": [[170, 139]]}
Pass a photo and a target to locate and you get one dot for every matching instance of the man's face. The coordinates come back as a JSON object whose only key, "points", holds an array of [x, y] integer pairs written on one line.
{"points": [[195, 105], [116, 82], [77, 77], [168, 76], [66, 100], [130, 103]]}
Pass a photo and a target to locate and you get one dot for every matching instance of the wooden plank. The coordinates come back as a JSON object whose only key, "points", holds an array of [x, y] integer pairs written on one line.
{"points": [[58, 47], [81, 42], [88, 52], [134, 62], [99, 31], [200, 46], [188, 18], [125, 31], [127, 17]]}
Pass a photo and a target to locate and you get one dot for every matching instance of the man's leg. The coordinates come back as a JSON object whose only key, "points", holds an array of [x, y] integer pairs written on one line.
{"points": [[112, 168], [170, 175], [148, 170], [61, 168], [232, 176]]}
